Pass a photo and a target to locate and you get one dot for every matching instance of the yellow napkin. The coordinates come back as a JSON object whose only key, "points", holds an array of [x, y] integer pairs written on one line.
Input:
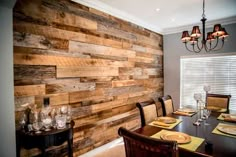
{"points": [[192, 146], [164, 125], [226, 117], [216, 131]]}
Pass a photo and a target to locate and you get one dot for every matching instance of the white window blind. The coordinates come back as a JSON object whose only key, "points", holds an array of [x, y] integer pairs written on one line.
{"points": [[217, 71]]}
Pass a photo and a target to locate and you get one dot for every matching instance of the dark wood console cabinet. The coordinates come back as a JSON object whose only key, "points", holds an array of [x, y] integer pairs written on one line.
{"points": [[45, 139]]}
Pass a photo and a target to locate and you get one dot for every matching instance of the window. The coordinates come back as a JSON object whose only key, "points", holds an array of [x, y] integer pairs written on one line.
{"points": [[217, 71]]}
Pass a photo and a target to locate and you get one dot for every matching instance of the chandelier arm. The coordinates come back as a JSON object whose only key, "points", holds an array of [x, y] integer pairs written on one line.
{"points": [[216, 44], [223, 41], [207, 49], [198, 50], [186, 46]]}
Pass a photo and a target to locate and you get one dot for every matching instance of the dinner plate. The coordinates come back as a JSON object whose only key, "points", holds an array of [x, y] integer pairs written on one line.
{"points": [[228, 129], [187, 110], [167, 120], [180, 137]]}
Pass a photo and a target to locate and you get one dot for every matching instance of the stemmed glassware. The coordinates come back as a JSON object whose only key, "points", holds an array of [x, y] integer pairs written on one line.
{"points": [[206, 88], [207, 114], [198, 97]]}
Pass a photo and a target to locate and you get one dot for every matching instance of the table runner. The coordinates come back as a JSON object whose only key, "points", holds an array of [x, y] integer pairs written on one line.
{"points": [[192, 146], [169, 127]]}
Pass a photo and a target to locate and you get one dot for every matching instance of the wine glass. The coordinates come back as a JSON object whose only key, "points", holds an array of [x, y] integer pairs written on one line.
{"points": [[207, 114], [206, 88]]}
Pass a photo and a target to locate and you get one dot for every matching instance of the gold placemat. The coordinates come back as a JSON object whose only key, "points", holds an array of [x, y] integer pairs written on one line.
{"points": [[192, 146], [221, 110], [220, 117], [184, 113], [216, 131], [171, 126]]}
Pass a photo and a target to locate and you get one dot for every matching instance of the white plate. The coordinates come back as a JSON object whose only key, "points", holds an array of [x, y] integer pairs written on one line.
{"points": [[180, 137]]}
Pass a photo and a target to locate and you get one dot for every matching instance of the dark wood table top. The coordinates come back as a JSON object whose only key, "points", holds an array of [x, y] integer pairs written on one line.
{"points": [[222, 146]]}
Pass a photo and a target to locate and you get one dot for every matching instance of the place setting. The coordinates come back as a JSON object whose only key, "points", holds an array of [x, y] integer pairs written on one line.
{"points": [[227, 117], [184, 140], [225, 129], [165, 122], [185, 112]]}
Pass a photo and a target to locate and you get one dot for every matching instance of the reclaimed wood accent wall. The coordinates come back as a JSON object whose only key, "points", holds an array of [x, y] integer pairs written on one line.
{"points": [[79, 56]]}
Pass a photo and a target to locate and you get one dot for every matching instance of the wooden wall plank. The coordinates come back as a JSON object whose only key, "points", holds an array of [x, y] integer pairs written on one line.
{"points": [[36, 41], [73, 71], [34, 72], [123, 83], [85, 95], [70, 85], [55, 99], [29, 90]]}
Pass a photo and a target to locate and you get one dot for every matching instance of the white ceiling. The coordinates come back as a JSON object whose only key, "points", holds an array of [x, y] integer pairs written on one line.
{"points": [[173, 16]]}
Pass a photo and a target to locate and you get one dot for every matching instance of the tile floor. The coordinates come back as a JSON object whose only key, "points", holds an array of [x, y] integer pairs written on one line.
{"points": [[112, 149]]}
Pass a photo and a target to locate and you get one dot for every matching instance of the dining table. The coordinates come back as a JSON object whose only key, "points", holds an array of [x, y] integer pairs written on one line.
{"points": [[214, 144]]}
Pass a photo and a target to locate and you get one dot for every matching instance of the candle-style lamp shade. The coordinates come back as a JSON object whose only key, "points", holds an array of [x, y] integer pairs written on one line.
{"points": [[185, 36], [225, 34], [210, 37], [217, 31], [196, 32]]}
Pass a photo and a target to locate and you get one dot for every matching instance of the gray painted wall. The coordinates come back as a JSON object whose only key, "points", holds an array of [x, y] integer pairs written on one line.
{"points": [[7, 114], [174, 49]]}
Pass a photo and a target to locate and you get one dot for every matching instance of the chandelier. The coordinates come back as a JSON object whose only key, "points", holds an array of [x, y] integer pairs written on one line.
{"points": [[211, 43]]}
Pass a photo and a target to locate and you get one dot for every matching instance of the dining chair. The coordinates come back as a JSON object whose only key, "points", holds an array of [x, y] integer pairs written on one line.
{"points": [[148, 111], [218, 100], [188, 153], [167, 104], [137, 145]]}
